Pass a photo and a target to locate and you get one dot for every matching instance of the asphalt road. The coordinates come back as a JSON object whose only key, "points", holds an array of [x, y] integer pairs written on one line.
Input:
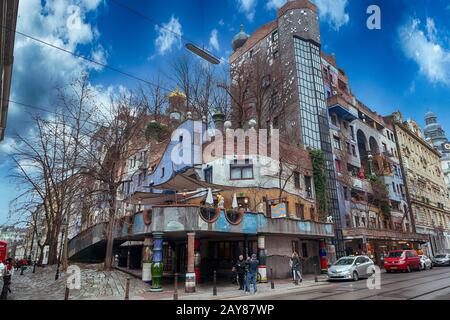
{"points": [[425, 285]]}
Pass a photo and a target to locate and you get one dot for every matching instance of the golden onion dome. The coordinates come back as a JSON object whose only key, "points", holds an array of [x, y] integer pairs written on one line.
{"points": [[177, 93]]}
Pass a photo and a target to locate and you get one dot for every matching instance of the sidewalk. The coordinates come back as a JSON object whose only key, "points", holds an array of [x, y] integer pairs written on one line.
{"points": [[230, 291]]}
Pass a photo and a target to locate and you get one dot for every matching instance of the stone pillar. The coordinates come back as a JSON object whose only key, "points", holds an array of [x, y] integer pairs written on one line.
{"points": [[147, 256], [262, 268], [190, 275], [157, 264], [197, 260]]}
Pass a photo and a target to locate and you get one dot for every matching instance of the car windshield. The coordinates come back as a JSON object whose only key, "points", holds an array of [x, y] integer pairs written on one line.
{"points": [[344, 262], [397, 254], [440, 256]]}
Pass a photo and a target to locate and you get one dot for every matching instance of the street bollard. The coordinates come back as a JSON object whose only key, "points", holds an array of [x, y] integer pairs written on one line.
{"points": [[215, 283], [315, 273], [66, 293], [272, 284], [127, 289], [34, 266], [175, 291], [21, 270]]}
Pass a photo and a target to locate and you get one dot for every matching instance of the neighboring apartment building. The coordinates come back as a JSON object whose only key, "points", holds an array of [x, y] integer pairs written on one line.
{"points": [[8, 20], [421, 166], [364, 147], [283, 59], [435, 134]]}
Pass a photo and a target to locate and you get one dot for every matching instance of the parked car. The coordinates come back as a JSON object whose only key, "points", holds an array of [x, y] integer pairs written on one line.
{"points": [[402, 260], [425, 262], [351, 268], [441, 260]]}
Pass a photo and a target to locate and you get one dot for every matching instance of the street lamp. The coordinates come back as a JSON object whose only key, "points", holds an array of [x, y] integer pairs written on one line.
{"points": [[202, 53], [64, 224]]}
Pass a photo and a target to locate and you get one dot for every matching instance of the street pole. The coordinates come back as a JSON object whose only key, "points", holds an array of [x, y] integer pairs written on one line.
{"points": [[60, 253], [215, 283], [175, 291], [272, 284]]}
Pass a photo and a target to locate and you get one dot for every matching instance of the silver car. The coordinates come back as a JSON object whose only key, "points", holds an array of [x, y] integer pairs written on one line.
{"points": [[351, 268], [441, 260], [425, 262]]}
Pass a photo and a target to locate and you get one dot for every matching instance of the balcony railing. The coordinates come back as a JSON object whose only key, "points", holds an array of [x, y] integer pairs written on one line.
{"points": [[383, 234]]}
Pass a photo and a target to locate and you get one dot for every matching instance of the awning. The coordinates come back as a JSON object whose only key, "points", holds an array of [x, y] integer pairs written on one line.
{"points": [[188, 181]]}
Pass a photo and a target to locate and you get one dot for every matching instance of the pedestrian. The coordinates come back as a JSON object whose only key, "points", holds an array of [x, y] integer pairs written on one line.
{"points": [[295, 265], [240, 268], [2, 268], [252, 273]]}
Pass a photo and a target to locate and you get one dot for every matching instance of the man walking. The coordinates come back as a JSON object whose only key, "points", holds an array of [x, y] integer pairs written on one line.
{"points": [[252, 272], [240, 268]]}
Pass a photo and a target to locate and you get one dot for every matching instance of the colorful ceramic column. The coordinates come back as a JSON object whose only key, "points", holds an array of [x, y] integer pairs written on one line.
{"points": [[262, 269], [197, 260], [190, 275], [147, 256], [323, 257], [157, 264]]}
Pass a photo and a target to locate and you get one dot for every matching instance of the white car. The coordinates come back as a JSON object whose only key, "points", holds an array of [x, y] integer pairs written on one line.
{"points": [[425, 263], [351, 268]]}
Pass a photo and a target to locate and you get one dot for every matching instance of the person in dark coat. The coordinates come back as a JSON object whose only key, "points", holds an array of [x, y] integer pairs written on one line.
{"points": [[240, 268], [252, 273], [295, 265]]}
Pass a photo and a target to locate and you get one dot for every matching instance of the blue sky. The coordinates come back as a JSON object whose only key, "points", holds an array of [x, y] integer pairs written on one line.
{"points": [[405, 65]]}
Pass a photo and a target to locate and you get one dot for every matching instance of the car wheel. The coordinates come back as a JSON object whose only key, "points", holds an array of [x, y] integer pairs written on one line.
{"points": [[355, 276], [388, 271], [408, 269]]}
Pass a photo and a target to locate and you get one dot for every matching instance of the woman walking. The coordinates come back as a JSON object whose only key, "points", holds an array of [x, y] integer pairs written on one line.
{"points": [[295, 265]]}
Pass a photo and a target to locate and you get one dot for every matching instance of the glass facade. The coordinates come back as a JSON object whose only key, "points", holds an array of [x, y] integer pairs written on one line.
{"points": [[311, 91], [315, 126]]}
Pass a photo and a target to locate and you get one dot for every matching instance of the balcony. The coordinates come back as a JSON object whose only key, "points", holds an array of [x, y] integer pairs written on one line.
{"points": [[355, 233], [362, 185]]}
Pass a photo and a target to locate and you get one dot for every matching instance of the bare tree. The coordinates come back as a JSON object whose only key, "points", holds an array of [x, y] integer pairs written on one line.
{"points": [[120, 136]]}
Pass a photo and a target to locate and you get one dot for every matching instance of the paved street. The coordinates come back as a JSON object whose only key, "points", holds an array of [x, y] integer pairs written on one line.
{"points": [[426, 285]]}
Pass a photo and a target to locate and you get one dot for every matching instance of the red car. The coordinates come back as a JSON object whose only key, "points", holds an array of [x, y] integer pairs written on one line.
{"points": [[402, 260]]}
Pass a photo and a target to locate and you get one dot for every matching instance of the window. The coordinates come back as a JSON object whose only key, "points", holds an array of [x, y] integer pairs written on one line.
{"points": [[304, 250], [312, 212], [275, 35], [275, 54], [241, 171], [353, 150], [352, 132], [297, 180], [346, 193], [336, 143], [334, 119], [180, 138], [300, 211], [295, 246], [209, 175], [308, 186], [162, 172], [338, 166]]}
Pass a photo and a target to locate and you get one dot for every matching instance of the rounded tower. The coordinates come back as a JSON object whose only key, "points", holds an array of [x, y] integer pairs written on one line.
{"points": [[240, 39]]}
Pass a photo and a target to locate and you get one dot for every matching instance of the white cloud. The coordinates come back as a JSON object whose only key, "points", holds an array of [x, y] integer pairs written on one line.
{"points": [[7, 146], [38, 69], [423, 48], [248, 7], [221, 22], [168, 36], [331, 11], [213, 40]]}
